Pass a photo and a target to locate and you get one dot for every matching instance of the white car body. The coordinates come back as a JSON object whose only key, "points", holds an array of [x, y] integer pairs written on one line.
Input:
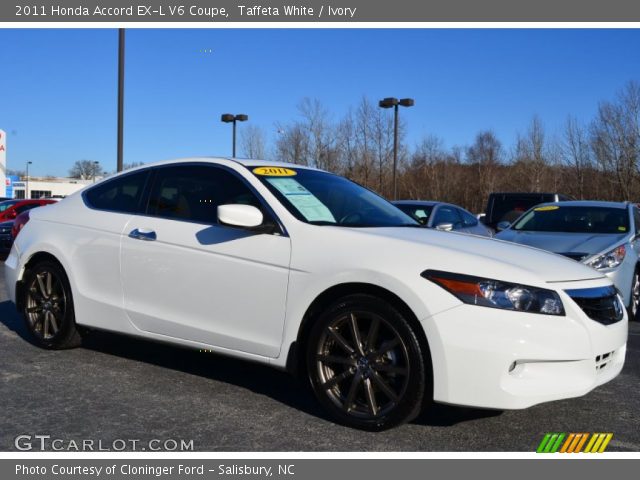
{"points": [[246, 295]]}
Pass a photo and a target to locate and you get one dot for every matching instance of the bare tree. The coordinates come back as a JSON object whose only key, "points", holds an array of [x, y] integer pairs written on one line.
{"points": [[320, 134], [85, 169], [252, 142], [531, 157], [576, 154], [615, 140], [292, 144], [485, 155]]}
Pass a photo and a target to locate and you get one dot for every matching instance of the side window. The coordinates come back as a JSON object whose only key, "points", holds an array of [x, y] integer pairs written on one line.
{"points": [[122, 194], [467, 219], [193, 193], [447, 214]]}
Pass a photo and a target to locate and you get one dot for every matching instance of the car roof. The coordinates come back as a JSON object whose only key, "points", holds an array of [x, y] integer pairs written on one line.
{"points": [[587, 203], [247, 162]]}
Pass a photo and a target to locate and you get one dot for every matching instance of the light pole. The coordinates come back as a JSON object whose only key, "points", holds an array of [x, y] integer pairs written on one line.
{"points": [[388, 103], [26, 190], [95, 166], [229, 118], [119, 165]]}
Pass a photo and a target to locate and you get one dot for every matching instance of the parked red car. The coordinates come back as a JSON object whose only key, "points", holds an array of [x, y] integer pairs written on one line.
{"points": [[10, 209]]}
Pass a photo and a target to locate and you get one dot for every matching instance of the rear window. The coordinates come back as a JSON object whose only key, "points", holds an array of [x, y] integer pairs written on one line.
{"points": [[122, 194], [554, 218]]}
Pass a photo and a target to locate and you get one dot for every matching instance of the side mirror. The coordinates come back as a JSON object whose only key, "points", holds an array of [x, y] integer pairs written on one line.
{"points": [[445, 227], [12, 214], [503, 225], [237, 215]]}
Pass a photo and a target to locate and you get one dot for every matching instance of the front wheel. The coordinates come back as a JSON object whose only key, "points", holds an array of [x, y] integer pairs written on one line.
{"points": [[47, 306], [365, 364]]}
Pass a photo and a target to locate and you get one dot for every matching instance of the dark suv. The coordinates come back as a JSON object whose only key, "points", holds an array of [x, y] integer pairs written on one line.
{"points": [[508, 207]]}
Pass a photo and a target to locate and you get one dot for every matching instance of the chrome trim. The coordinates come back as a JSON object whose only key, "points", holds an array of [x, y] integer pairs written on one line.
{"points": [[595, 292]]}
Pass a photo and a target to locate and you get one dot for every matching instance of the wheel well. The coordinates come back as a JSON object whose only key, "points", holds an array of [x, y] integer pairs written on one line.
{"points": [[295, 361], [34, 260]]}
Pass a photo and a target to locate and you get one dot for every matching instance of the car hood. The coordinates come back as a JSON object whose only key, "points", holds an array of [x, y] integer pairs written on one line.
{"points": [[471, 255], [576, 244]]}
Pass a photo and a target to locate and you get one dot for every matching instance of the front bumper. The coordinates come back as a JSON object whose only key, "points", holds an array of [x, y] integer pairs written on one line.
{"points": [[11, 274], [490, 358], [622, 278]]}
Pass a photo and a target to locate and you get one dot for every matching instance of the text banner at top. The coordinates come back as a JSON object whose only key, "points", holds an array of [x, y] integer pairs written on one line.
{"points": [[221, 11]]}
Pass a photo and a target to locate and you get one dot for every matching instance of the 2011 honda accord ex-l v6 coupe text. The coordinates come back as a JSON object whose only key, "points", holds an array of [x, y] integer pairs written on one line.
{"points": [[303, 269]]}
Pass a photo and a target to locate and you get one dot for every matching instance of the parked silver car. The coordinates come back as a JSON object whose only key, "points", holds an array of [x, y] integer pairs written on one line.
{"points": [[603, 235], [443, 216]]}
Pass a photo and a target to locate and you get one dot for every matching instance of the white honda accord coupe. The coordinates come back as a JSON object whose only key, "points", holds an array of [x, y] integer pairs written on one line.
{"points": [[305, 270]]}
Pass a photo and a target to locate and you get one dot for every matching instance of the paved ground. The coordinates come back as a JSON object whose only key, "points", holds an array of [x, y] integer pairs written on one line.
{"points": [[120, 388]]}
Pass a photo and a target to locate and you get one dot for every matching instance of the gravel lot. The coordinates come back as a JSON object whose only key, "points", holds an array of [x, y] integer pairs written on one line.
{"points": [[121, 388]]}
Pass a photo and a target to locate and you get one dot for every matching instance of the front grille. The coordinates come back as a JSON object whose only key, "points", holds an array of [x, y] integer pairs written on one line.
{"points": [[600, 304], [603, 360], [575, 255]]}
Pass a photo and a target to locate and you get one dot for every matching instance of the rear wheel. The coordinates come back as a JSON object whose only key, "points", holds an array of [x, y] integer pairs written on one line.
{"points": [[365, 364], [47, 306], [634, 299]]}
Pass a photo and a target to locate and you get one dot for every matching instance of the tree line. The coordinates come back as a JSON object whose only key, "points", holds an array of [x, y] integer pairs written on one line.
{"points": [[594, 159]]}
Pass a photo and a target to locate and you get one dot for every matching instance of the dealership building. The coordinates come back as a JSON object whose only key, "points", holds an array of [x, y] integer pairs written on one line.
{"points": [[43, 187]]}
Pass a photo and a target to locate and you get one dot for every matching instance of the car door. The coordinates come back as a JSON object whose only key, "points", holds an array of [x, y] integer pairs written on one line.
{"points": [[186, 276]]}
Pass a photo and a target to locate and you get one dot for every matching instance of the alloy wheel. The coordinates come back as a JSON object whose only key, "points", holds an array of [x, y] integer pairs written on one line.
{"points": [[46, 304], [362, 364]]}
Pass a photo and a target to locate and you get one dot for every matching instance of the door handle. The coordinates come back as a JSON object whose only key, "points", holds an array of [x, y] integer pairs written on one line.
{"points": [[143, 234]]}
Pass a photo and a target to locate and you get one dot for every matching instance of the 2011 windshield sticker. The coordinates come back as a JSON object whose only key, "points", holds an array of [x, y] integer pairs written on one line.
{"points": [[274, 172]]}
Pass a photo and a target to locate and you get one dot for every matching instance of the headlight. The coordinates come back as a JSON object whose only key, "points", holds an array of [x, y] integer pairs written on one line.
{"points": [[610, 259], [497, 294]]}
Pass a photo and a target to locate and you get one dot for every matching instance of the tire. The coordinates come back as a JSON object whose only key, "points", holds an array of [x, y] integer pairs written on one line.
{"points": [[47, 307], [634, 297], [374, 379]]}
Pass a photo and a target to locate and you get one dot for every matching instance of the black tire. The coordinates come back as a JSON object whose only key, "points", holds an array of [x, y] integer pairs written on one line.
{"points": [[47, 307], [634, 297], [374, 379]]}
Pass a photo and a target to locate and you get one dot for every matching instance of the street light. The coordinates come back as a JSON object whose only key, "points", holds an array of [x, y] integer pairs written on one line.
{"points": [[26, 191], [229, 118], [388, 103], [120, 164]]}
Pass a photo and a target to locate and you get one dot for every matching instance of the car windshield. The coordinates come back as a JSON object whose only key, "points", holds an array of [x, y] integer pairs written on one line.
{"points": [[572, 219], [322, 198], [7, 204]]}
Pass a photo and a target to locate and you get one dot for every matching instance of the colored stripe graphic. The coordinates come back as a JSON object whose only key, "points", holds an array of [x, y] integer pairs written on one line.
{"points": [[598, 442], [550, 443], [574, 443]]}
